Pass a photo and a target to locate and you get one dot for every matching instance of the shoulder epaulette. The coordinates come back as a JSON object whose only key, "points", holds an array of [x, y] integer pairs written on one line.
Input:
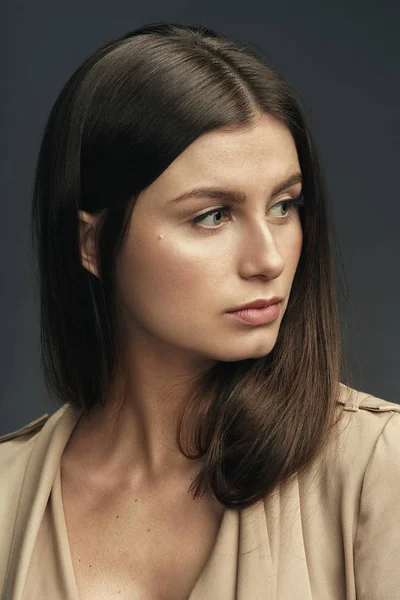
{"points": [[379, 405], [354, 400], [33, 426]]}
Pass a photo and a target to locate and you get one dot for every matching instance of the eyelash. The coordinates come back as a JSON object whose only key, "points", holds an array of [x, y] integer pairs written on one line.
{"points": [[226, 208]]}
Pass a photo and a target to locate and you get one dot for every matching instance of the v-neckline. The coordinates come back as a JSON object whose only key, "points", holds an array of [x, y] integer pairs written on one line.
{"points": [[227, 537]]}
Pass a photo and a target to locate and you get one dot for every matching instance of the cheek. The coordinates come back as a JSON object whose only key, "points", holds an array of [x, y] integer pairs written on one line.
{"points": [[292, 248], [157, 273], [184, 277]]}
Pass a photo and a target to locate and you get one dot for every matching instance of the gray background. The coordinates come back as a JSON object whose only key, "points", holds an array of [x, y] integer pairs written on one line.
{"points": [[341, 59]]}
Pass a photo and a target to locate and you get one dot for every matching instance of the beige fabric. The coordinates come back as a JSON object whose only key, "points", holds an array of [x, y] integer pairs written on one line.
{"points": [[333, 534]]}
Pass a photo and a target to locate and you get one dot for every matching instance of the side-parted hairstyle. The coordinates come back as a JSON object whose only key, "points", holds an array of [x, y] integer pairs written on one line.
{"points": [[121, 119]]}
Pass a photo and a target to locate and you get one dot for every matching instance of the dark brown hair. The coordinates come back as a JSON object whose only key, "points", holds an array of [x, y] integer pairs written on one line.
{"points": [[121, 119]]}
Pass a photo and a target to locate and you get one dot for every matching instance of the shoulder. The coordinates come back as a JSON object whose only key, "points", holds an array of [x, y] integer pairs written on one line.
{"points": [[366, 414], [29, 428], [365, 441], [17, 450], [16, 446], [19, 442], [364, 422], [10, 441], [354, 400], [25, 469], [373, 478]]}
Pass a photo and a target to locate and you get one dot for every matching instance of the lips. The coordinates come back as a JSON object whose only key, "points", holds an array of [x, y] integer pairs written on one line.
{"points": [[259, 303]]}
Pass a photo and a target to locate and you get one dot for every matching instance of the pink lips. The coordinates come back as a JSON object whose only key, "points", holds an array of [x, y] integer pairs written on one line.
{"points": [[259, 303], [257, 316]]}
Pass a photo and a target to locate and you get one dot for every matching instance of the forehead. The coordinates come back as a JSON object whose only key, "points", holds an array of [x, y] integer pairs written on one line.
{"points": [[259, 156], [263, 141]]}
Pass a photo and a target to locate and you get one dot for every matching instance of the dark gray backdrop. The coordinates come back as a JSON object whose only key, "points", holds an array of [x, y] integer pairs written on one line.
{"points": [[342, 60]]}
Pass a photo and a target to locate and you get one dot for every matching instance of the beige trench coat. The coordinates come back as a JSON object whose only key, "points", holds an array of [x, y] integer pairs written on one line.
{"points": [[333, 534]]}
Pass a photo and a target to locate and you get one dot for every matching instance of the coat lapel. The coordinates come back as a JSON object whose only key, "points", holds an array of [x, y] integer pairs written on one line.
{"points": [[259, 553], [239, 567], [38, 480]]}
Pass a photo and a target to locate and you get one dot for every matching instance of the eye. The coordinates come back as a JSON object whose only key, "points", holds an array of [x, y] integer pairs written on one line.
{"points": [[291, 204], [220, 210], [288, 203]]}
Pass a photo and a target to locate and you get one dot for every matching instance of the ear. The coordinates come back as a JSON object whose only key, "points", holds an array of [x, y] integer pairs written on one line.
{"points": [[87, 231]]}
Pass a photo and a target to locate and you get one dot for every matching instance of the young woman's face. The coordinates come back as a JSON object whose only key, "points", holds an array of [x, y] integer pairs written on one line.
{"points": [[177, 279]]}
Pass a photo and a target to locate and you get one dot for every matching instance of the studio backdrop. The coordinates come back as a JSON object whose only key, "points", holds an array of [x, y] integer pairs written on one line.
{"points": [[342, 61]]}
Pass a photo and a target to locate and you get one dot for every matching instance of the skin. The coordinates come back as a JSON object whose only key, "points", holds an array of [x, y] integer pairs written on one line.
{"points": [[175, 283]]}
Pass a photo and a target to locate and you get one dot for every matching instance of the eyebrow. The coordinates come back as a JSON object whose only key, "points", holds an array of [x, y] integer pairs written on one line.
{"points": [[234, 196]]}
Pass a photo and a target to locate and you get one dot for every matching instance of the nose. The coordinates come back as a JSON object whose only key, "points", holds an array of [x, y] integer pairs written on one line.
{"points": [[260, 252]]}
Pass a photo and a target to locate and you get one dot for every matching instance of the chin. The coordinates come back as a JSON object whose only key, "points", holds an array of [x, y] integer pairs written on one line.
{"points": [[258, 351]]}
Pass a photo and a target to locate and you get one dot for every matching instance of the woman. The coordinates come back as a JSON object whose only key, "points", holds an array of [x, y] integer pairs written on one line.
{"points": [[201, 450]]}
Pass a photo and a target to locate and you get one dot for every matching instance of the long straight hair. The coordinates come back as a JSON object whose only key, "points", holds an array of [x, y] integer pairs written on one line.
{"points": [[121, 119]]}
